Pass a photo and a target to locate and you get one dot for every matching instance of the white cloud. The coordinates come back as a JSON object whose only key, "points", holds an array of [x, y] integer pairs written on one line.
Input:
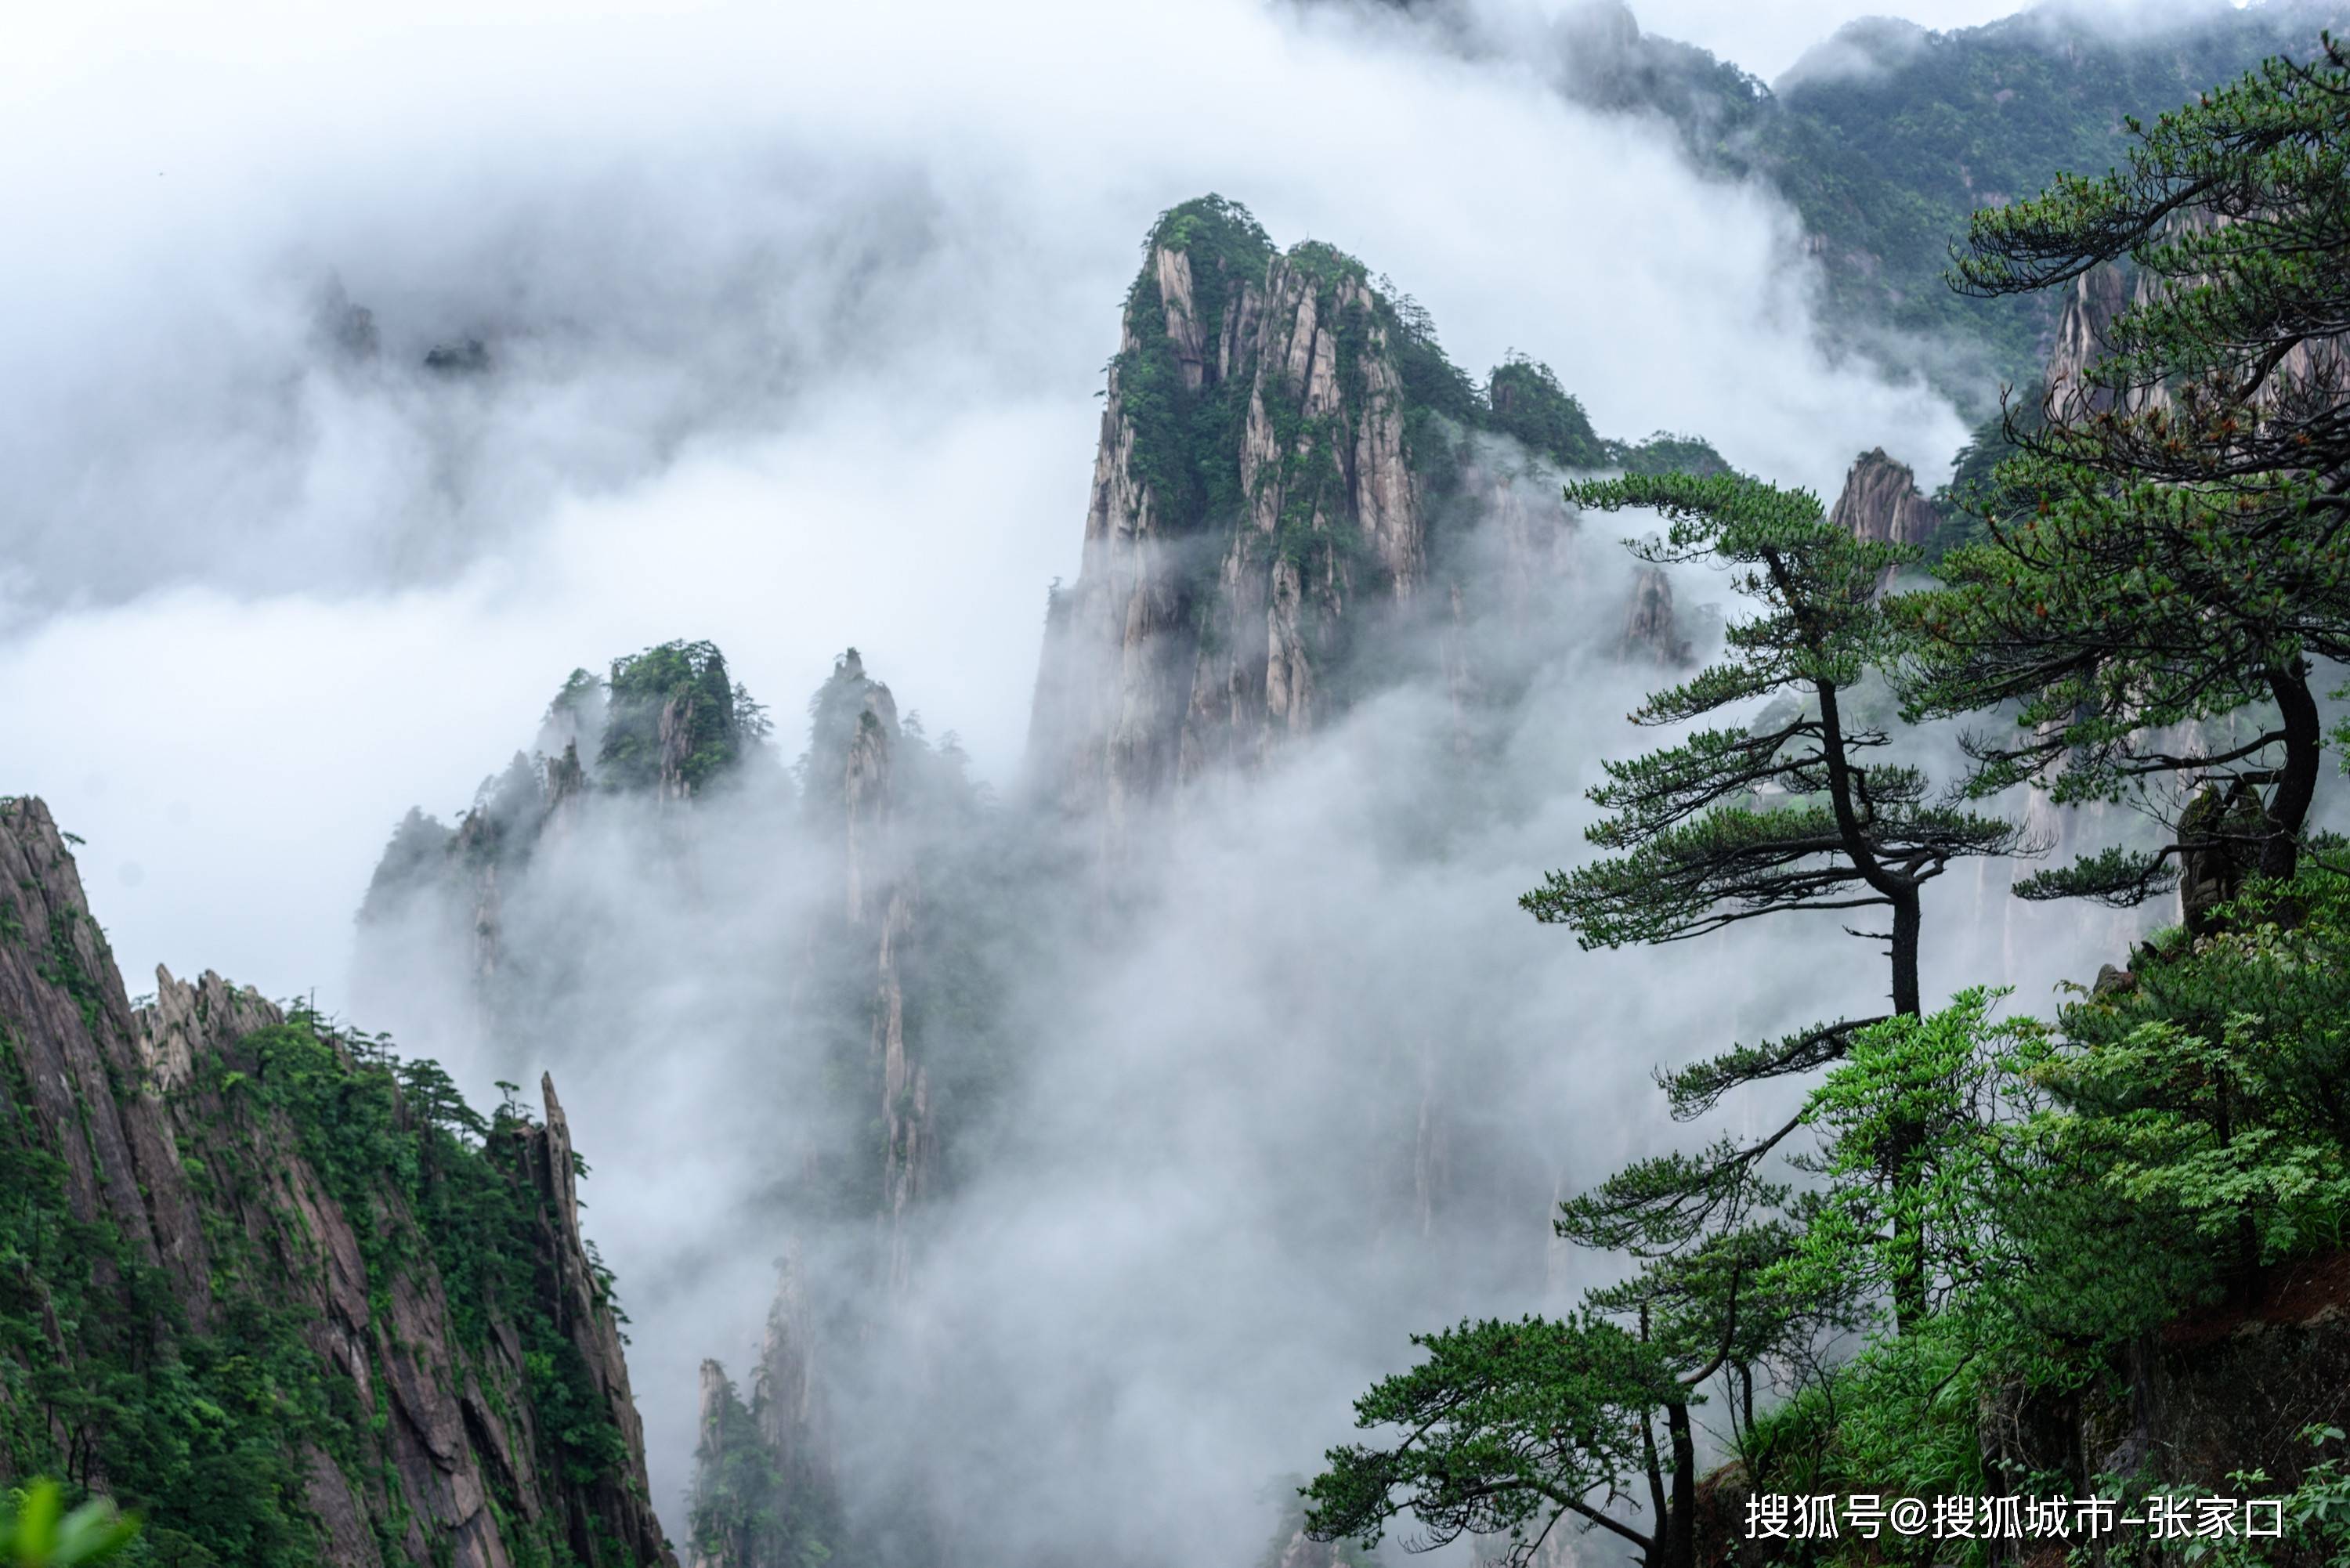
{"points": [[800, 317], [794, 324]]}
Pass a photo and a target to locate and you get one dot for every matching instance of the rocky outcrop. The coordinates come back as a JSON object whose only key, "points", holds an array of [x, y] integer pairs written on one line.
{"points": [[1651, 632], [882, 809], [1295, 499], [766, 1489], [2083, 336], [1881, 501], [391, 1372], [2315, 372], [878, 994], [1252, 491], [668, 725], [851, 777]]}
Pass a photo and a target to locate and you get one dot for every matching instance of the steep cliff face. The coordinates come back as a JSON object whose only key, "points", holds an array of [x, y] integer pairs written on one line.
{"points": [[853, 899], [888, 994], [291, 1299], [1296, 497], [765, 1488], [1881, 501], [2083, 336], [2102, 295], [1253, 485], [1652, 629], [855, 796], [879, 809], [668, 725]]}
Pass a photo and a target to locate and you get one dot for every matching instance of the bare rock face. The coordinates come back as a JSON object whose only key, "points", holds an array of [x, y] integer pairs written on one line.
{"points": [[1251, 490], [1651, 632], [767, 1479], [2314, 367], [854, 792], [1881, 501], [1267, 495], [413, 1431], [2083, 336]]}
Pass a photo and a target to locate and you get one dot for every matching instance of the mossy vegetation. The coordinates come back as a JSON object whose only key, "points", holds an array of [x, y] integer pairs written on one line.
{"points": [[748, 1506]]}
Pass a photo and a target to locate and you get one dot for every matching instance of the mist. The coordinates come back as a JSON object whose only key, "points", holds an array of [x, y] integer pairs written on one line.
{"points": [[786, 332]]}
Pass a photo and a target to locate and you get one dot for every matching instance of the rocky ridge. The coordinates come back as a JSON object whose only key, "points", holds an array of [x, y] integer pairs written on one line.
{"points": [[1295, 497], [875, 819], [225, 1314]]}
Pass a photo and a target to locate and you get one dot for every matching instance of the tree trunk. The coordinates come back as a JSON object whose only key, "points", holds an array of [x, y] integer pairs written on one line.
{"points": [[2296, 785], [1908, 1238], [1679, 1532], [1906, 921]]}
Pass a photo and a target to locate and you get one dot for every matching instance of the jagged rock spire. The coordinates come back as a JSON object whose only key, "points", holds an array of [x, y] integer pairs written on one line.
{"points": [[1881, 500], [1651, 630]]}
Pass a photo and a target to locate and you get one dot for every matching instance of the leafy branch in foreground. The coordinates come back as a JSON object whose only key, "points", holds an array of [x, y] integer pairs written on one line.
{"points": [[35, 1531]]}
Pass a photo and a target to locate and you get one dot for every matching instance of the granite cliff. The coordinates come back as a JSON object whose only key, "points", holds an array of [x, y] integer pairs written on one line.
{"points": [[652, 823], [1297, 499], [287, 1295], [1881, 500]]}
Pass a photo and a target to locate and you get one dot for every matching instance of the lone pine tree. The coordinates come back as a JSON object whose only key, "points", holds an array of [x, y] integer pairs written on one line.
{"points": [[1800, 810]]}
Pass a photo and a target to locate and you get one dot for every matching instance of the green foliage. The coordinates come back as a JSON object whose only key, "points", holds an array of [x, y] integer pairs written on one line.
{"points": [[2316, 1515], [1188, 420], [191, 1427], [578, 703], [751, 1507], [1915, 1154], [418, 850], [1884, 165], [1187, 439], [2215, 1081], [2167, 550], [1506, 1424], [2032, 1200], [1436, 392], [1731, 824], [1665, 452], [200, 1428], [674, 720], [36, 1532], [2075, 1186], [1974, 497], [1529, 404], [62, 967]]}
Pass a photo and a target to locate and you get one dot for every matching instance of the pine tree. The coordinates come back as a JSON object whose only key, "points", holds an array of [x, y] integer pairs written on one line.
{"points": [[2167, 548], [1795, 811]]}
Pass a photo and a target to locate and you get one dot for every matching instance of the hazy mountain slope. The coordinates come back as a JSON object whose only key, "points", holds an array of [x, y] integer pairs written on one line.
{"points": [[1297, 495], [1885, 136]]}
